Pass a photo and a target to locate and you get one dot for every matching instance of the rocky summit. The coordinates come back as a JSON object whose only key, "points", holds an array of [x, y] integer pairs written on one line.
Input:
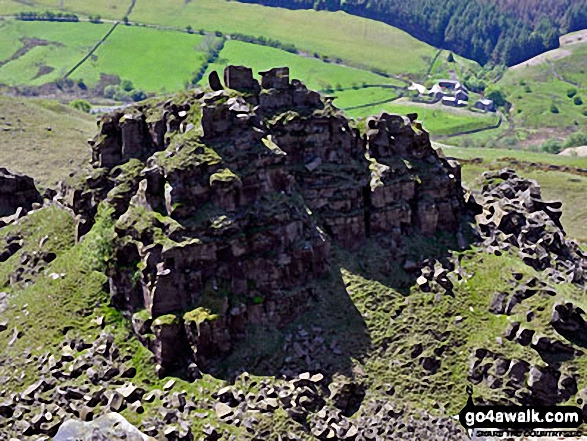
{"points": [[243, 262], [228, 203]]}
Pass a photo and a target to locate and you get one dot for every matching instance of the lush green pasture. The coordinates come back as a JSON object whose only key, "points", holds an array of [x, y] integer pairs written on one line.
{"points": [[336, 34], [68, 43], [460, 65], [154, 60], [316, 74], [437, 119], [363, 96]]}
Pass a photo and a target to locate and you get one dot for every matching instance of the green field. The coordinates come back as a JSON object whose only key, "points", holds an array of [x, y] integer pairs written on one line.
{"points": [[67, 44], [355, 40], [336, 34], [316, 74], [154, 60], [437, 119], [363, 96]]}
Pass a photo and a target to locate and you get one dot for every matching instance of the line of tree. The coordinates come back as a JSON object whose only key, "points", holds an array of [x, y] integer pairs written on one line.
{"points": [[569, 15], [47, 16], [212, 47], [288, 47], [476, 29]]}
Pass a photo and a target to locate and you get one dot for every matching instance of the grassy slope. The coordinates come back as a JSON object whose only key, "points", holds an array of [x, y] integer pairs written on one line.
{"points": [[362, 96], [393, 322], [316, 74], [47, 155], [71, 42], [114, 9], [338, 35], [354, 39], [533, 89], [154, 60]]}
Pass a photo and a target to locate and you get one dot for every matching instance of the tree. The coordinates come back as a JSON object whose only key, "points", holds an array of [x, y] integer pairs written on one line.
{"points": [[121, 95], [577, 100], [553, 108], [450, 58], [571, 92], [576, 139], [126, 85], [138, 95], [189, 29], [109, 91], [82, 105], [497, 96], [551, 146]]}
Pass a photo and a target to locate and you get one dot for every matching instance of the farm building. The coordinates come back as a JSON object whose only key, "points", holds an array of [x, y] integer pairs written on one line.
{"points": [[485, 104], [453, 102]]}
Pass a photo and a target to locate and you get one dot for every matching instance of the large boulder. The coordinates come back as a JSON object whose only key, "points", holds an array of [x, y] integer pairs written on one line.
{"points": [[109, 427], [16, 191]]}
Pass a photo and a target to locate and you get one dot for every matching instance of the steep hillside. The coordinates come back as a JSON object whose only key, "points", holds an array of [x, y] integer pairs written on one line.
{"points": [[479, 30], [548, 94], [569, 14], [43, 138]]}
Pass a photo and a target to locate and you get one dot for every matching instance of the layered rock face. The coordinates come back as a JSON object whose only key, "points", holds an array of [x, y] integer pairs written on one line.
{"points": [[243, 191]]}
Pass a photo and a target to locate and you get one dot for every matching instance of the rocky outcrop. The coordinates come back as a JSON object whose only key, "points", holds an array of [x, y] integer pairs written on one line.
{"points": [[229, 201], [16, 191], [568, 320], [516, 217]]}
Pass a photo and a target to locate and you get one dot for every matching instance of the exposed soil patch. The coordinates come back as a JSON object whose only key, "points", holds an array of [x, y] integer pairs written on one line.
{"points": [[574, 38], [44, 70], [543, 58], [534, 139], [27, 45]]}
